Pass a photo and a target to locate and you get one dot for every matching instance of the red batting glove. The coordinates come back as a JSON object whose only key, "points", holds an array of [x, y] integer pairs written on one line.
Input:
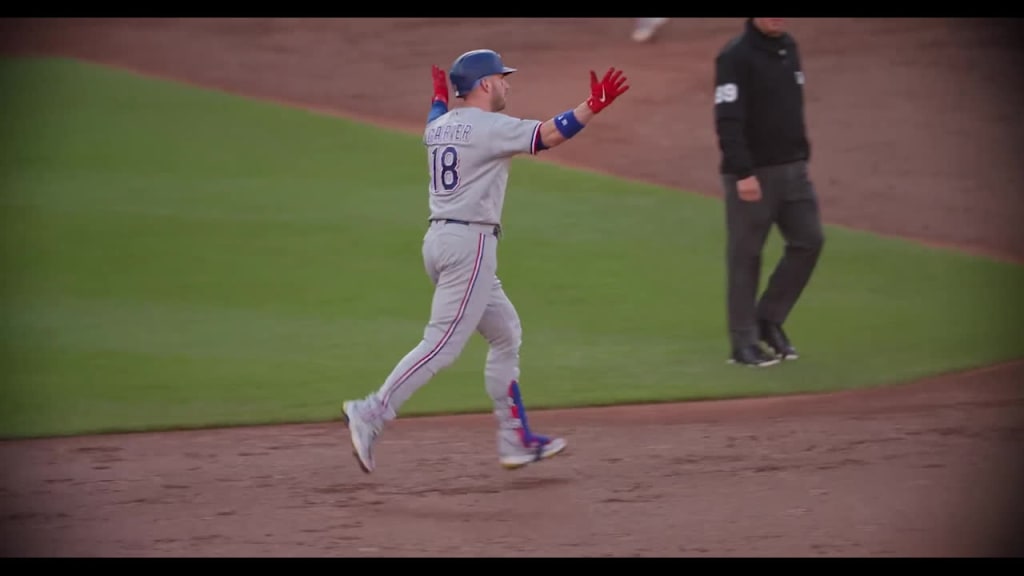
{"points": [[440, 85], [603, 93]]}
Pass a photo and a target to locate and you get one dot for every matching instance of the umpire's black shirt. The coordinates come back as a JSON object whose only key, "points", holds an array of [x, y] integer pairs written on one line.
{"points": [[759, 102]]}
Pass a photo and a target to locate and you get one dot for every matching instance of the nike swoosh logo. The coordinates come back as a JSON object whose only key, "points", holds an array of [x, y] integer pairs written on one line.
{"points": [[602, 95]]}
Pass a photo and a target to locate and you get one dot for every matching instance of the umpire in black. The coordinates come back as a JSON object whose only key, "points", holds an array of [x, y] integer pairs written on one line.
{"points": [[759, 122]]}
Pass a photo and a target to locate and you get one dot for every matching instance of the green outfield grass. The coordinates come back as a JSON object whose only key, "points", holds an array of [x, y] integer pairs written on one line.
{"points": [[174, 257]]}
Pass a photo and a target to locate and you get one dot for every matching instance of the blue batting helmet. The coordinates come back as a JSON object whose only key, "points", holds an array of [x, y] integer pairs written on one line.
{"points": [[469, 68]]}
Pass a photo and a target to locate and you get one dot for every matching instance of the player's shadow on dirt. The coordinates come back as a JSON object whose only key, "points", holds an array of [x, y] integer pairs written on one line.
{"points": [[534, 483], [442, 498], [447, 502], [460, 486], [488, 485]]}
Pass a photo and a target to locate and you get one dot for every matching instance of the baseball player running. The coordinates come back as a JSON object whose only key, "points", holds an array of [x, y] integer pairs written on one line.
{"points": [[469, 149]]}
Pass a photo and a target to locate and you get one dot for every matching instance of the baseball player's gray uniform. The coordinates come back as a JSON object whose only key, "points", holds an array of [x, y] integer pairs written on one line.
{"points": [[469, 150], [468, 156]]}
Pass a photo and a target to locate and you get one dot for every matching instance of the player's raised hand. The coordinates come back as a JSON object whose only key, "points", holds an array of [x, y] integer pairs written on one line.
{"points": [[440, 85], [603, 92]]}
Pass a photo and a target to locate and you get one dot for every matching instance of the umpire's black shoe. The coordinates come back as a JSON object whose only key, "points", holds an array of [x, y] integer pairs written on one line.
{"points": [[752, 355], [776, 339]]}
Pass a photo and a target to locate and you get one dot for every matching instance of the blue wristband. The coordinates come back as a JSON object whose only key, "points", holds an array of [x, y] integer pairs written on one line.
{"points": [[437, 109], [567, 124]]}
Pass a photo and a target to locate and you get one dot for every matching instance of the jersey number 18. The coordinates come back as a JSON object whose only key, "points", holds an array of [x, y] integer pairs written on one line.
{"points": [[444, 170]]}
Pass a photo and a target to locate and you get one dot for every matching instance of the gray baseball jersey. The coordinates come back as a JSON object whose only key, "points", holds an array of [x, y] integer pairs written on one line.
{"points": [[469, 150]]}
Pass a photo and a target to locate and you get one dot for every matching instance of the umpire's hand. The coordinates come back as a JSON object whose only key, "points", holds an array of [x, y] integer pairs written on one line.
{"points": [[749, 189]]}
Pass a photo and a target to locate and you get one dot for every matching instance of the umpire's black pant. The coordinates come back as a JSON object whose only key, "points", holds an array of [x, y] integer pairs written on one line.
{"points": [[788, 200]]}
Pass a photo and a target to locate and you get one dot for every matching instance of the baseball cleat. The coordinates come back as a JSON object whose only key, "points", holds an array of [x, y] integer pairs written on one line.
{"points": [[544, 450], [518, 445], [776, 339], [363, 435], [753, 356], [646, 28]]}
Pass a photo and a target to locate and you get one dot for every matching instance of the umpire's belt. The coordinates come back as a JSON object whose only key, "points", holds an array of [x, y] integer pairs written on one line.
{"points": [[492, 229]]}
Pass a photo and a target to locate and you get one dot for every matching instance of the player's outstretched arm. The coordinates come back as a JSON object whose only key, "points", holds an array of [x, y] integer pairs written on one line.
{"points": [[439, 103], [603, 92]]}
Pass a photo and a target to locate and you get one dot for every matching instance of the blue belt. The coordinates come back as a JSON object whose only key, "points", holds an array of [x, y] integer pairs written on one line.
{"points": [[496, 232]]}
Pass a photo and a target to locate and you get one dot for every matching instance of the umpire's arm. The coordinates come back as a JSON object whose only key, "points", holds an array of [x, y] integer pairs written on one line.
{"points": [[730, 115]]}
